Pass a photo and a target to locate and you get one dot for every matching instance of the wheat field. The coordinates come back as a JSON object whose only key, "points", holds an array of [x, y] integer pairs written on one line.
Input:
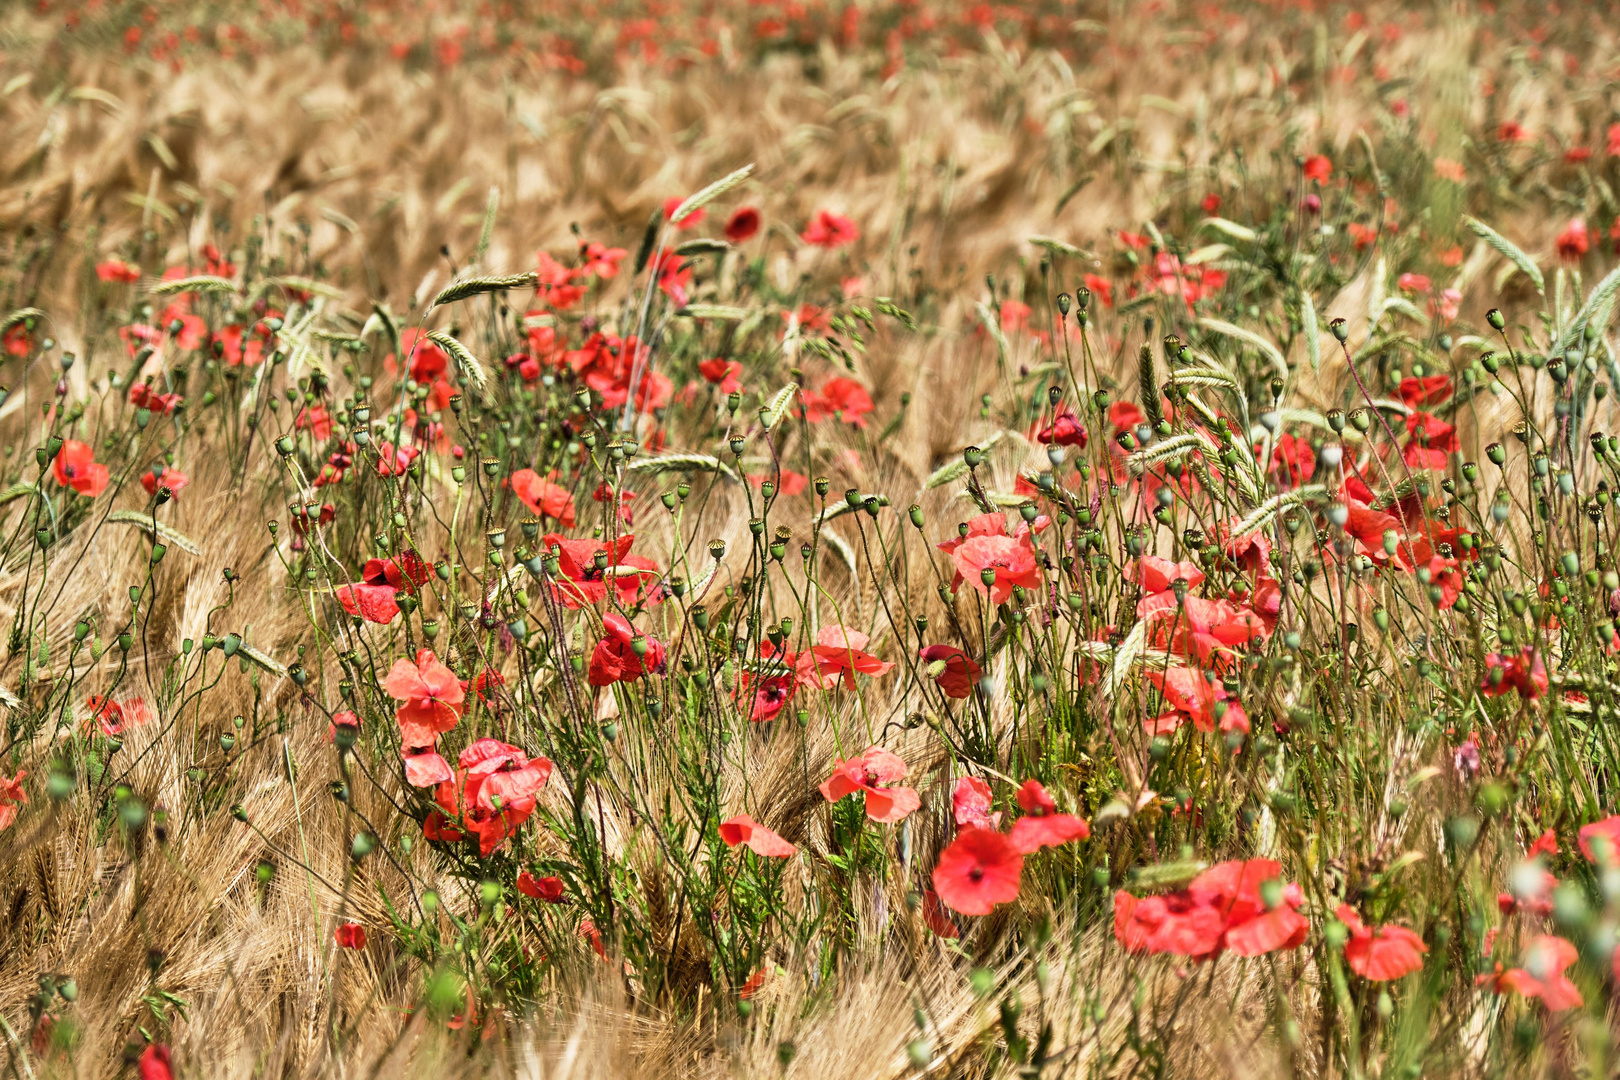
{"points": [[256, 207]]}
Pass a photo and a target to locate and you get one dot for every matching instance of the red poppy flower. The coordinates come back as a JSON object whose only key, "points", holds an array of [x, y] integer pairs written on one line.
{"points": [[118, 270], [342, 718], [1545, 844], [1524, 673], [142, 396], [549, 889], [1601, 837], [1542, 975], [1193, 696], [164, 477], [155, 1063], [1211, 203], [373, 603], [1432, 440], [830, 230], [1221, 909], [425, 767], [1429, 390], [601, 260], [12, 795], [839, 654], [672, 204], [1064, 430], [615, 660], [1380, 953], [874, 773], [977, 871], [1042, 826], [1318, 168], [1574, 241], [588, 931], [987, 545], [769, 684], [76, 467], [723, 373], [116, 717], [957, 672], [743, 829], [430, 698], [787, 481], [743, 223], [1101, 288], [544, 498], [1157, 575], [841, 398], [970, 804], [351, 935], [1414, 283], [587, 567], [498, 787]]}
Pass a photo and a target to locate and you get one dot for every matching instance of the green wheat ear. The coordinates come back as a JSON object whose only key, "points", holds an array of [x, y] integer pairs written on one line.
{"points": [[1149, 386]]}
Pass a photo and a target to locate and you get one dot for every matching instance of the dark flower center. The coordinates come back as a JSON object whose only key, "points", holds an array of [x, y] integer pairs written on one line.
{"points": [[976, 874]]}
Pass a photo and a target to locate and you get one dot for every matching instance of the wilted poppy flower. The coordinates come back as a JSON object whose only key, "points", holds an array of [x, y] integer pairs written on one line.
{"points": [[546, 499], [615, 659], [842, 398], [351, 935], [672, 204], [1380, 953], [830, 230], [874, 773], [957, 671], [970, 804], [1542, 975], [743, 223], [723, 373], [1042, 826], [839, 654], [12, 796], [743, 829], [76, 467], [549, 889], [430, 698], [1524, 673], [977, 871], [155, 1063]]}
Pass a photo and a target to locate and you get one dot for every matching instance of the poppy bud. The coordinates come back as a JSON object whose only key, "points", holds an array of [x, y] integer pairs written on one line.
{"points": [[1341, 330], [988, 576], [872, 504], [363, 845], [767, 490], [973, 457], [1361, 421], [916, 515], [1494, 317], [1063, 302], [284, 446], [717, 550], [700, 618]]}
